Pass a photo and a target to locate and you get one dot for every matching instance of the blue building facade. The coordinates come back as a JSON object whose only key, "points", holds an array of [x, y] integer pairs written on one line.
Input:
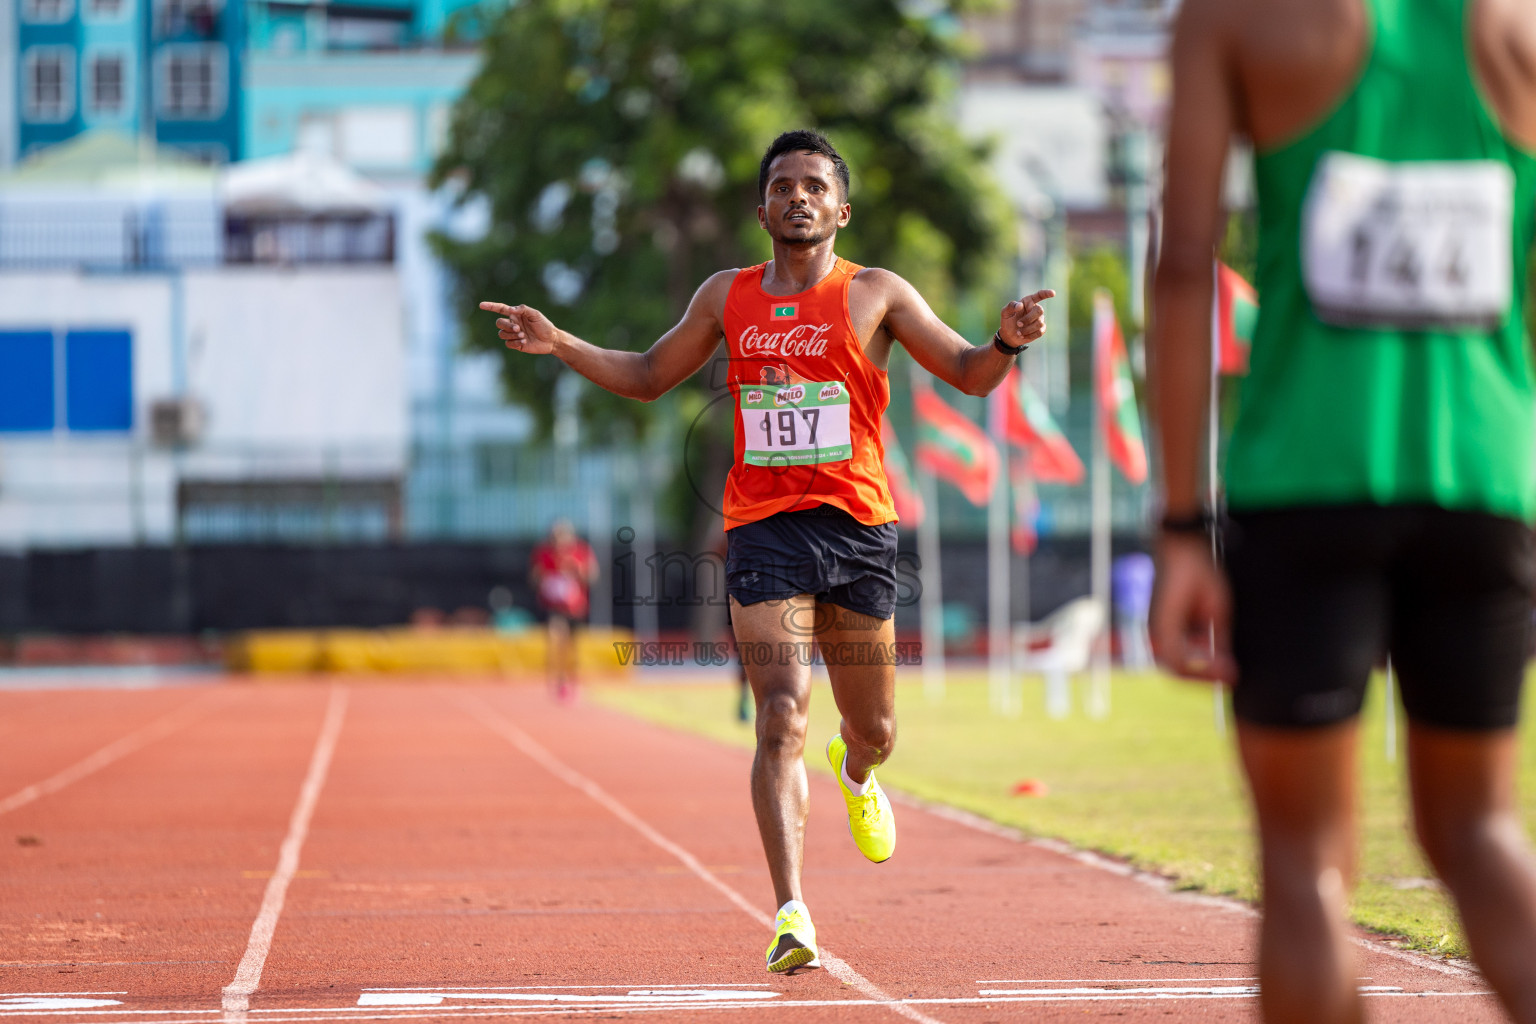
{"points": [[369, 80], [370, 83], [171, 69]]}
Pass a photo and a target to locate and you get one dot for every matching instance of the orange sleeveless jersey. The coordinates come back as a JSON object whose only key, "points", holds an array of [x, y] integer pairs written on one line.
{"points": [[807, 403]]}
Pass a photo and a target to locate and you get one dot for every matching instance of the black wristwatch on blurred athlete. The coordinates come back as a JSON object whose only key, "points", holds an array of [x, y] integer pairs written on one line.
{"points": [[1005, 348], [1200, 522]]}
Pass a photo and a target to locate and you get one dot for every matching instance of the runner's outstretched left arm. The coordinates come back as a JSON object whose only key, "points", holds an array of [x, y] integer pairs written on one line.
{"points": [[974, 369]]}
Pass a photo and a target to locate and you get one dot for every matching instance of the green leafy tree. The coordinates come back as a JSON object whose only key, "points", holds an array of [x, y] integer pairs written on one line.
{"points": [[1097, 266], [618, 144]]}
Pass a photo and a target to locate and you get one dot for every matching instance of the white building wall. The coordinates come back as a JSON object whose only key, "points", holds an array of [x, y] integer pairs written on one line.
{"points": [[301, 372], [60, 488], [1049, 141], [303, 357]]}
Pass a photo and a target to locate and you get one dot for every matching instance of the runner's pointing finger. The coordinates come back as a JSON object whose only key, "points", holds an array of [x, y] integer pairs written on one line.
{"points": [[1039, 297]]}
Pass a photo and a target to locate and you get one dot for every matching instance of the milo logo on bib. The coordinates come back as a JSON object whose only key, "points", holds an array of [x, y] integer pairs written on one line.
{"points": [[808, 424]]}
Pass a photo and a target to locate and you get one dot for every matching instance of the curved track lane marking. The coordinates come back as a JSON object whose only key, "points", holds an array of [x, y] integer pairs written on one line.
{"points": [[838, 968], [114, 751], [237, 994]]}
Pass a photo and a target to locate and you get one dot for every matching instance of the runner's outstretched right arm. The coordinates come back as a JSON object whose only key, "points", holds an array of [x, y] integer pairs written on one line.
{"points": [[644, 375]]}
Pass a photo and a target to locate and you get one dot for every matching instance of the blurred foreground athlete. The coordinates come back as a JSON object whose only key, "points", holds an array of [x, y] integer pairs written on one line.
{"points": [[1381, 476]]}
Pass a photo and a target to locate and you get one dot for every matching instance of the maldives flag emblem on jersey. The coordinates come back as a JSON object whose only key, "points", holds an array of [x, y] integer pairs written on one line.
{"points": [[787, 311]]}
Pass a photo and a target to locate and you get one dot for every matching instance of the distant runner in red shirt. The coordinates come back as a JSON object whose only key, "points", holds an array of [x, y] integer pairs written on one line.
{"points": [[811, 537], [561, 570]]}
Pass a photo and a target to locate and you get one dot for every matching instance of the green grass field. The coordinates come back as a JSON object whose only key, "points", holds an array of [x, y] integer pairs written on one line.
{"points": [[1154, 783]]}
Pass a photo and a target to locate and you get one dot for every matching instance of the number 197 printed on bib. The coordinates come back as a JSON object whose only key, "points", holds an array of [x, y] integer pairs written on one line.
{"points": [[802, 424]]}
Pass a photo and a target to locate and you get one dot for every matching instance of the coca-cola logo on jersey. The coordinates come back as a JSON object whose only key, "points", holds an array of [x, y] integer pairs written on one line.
{"points": [[800, 340]]}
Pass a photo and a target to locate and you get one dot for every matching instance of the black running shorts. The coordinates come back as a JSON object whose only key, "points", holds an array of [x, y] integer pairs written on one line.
{"points": [[822, 551], [1321, 595]]}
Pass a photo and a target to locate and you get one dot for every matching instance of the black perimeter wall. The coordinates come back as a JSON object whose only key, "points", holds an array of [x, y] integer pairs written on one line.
{"points": [[213, 587]]}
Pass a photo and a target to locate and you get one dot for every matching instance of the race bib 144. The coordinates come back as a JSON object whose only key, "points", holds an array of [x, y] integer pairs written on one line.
{"points": [[1409, 245], [802, 424]]}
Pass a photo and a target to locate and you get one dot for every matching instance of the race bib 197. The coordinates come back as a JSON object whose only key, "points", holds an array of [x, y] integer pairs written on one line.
{"points": [[1408, 245], [802, 424]]}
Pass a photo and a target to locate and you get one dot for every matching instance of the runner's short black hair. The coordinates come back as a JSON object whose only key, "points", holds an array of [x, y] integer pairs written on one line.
{"points": [[802, 140]]}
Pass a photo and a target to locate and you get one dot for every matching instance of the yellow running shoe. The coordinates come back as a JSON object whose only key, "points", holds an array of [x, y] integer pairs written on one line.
{"points": [[870, 820], [794, 939]]}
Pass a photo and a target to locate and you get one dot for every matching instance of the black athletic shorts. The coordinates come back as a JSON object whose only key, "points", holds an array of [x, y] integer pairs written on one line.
{"points": [[822, 551], [1321, 595]]}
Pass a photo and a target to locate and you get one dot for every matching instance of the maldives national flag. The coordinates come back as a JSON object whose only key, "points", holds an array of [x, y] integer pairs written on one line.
{"points": [[1116, 392], [1234, 315], [1048, 455], [898, 473], [953, 448]]}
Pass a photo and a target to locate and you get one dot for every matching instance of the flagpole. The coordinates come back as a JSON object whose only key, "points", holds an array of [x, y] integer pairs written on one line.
{"points": [[931, 600], [642, 514], [1213, 470], [931, 603], [1098, 687], [999, 614], [1025, 505]]}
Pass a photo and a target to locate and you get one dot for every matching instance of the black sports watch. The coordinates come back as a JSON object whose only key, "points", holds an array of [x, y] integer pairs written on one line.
{"points": [[1005, 348], [1201, 521]]}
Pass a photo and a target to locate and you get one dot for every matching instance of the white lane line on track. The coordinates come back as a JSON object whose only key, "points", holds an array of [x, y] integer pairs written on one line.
{"points": [[834, 966], [1161, 884], [1101, 981], [562, 988], [114, 751], [237, 994], [275, 1015], [642, 996]]}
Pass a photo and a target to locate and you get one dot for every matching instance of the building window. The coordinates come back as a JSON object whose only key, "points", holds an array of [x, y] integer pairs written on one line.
{"points": [[105, 86], [178, 17], [98, 380], [211, 153], [368, 32], [26, 381], [47, 12], [48, 84], [192, 85], [105, 10]]}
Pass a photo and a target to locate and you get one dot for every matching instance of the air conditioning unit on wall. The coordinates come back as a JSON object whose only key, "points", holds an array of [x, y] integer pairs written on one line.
{"points": [[176, 422]]}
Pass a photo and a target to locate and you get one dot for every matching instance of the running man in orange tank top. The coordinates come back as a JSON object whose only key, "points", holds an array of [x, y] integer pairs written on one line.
{"points": [[811, 537]]}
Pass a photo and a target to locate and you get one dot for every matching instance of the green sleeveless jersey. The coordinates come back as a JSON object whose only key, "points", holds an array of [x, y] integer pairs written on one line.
{"points": [[1390, 364]]}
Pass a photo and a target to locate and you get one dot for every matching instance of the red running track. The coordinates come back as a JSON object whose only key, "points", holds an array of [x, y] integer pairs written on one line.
{"points": [[429, 852]]}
